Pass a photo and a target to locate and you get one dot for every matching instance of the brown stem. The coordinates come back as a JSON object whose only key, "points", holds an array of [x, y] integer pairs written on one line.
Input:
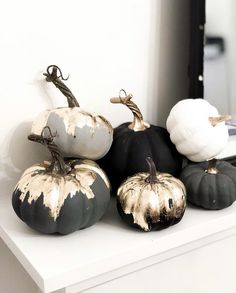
{"points": [[152, 178], [211, 168], [57, 81], [58, 164], [138, 124], [215, 120]]}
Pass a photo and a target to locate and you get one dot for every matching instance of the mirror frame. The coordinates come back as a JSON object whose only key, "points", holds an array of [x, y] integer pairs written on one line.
{"points": [[196, 64]]}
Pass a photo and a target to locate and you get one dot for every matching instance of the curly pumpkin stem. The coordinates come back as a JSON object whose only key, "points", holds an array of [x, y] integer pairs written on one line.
{"points": [[57, 81], [152, 178], [138, 124], [58, 165], [215, 120], [211, 169]]}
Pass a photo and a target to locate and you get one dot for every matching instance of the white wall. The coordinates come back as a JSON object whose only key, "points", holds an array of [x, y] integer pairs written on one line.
{"points": [[105, 45]]}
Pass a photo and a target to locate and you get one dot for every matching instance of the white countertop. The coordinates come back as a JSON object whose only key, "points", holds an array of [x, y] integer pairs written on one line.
{"points": [[230, 149], [59, 261]]}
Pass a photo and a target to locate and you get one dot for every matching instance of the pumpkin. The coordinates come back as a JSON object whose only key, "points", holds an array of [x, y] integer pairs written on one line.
{"points": [[197, 130], [61, 196], [151, 200], [78, 133], [210, 185], [134, 142]]}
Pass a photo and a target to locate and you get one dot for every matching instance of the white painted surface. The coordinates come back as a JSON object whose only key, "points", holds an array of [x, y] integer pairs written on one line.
{"points": [[106, 250], [13, 277], [229, 149], [197, 271]]}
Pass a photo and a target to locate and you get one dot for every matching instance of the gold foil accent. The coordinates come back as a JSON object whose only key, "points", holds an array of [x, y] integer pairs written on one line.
{"points": [[55, 189], [72, 118], [138, 124], [143, 200], [92, 166], [76, 118], [78, 133], [215, 120], [211, 168]]}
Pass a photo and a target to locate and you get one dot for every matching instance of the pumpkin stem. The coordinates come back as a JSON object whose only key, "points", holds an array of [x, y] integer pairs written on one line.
{"points": [[152, 178], [57, 81], [138, 124], [58, 164], [211, 169], [215, 120]]}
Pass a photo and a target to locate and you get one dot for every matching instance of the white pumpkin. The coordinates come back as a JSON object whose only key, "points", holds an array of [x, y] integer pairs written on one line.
{"points": [[77, 132], [197, 129]]}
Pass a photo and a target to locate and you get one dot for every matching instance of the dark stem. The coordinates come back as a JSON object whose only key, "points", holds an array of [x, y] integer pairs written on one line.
{"points": [[152, 178], [58, 165], [211, 169], [57, 81]]}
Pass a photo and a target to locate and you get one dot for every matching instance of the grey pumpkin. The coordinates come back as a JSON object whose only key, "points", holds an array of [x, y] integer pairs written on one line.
{"points": [[210, 185], [60, 196], [79, 133]]}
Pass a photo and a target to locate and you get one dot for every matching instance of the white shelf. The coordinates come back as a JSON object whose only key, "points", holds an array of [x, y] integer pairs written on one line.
{"points": [[56, 262], [230, 149]]}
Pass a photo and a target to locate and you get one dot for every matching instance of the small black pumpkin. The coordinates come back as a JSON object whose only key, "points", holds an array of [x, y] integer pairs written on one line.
{"points": [[61, 196], [151, 200], [134, 142], [210, 185]]}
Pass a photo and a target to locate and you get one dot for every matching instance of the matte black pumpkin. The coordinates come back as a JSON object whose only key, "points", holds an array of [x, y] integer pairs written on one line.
{"points": [[61, 196], [210, 185], [151, 200], [133, 143]]}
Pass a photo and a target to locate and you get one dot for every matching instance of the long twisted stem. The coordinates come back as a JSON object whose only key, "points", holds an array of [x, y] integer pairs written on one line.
{"points": [[57, 81], [58, 165], [138, 124]]}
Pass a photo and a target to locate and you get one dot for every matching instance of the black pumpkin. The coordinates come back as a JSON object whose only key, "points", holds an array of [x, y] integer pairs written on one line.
{"points": [[210, 185], [151, 200], [133, 143], [61, 196]]}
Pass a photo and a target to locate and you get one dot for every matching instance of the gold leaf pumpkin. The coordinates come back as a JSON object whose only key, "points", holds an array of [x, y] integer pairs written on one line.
{"points": [[151, 201]]}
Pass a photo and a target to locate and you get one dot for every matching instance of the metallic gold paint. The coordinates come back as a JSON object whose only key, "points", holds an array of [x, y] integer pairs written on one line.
{"points": [[143, 200]]}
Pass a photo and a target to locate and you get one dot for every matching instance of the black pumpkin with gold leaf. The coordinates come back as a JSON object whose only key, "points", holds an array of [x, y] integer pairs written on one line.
{"points": [[151, 200], [60, 196], [134, 142]]}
